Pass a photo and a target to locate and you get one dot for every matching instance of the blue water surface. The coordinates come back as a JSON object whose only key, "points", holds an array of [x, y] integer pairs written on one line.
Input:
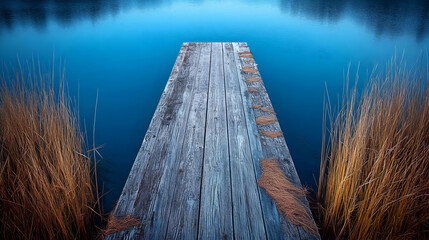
{"points": [[125, 50]]}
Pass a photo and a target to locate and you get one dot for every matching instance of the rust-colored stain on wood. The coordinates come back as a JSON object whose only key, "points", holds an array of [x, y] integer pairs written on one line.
{"points": [[265, 120], [270, 110], [256, 106], [272, 134], [250, 60], [249, 69], [252, 90], [253, 79]]}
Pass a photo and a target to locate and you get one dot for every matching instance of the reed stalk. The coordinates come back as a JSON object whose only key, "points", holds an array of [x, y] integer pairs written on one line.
{"points": [[46, 182], [374, 175]]}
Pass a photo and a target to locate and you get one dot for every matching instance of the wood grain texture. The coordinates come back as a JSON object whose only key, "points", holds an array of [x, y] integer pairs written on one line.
{"points": [[195, 175], [247, 212], [184, 213], [126, 202], [155, 195], [272, 147], [216, 203], [269, 209]]}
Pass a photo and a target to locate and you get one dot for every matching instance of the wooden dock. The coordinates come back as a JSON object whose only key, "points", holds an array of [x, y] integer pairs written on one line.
{"points": [[195, 176]]}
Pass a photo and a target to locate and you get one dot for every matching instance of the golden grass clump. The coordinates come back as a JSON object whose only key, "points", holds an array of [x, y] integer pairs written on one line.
{"points": [[374, 175], [46, 186], [265, 120], [120, 223], [286, 196]]}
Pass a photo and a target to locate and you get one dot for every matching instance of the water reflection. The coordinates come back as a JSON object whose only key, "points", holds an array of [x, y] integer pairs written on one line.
{"points": [[381, 16], [65, 12]]}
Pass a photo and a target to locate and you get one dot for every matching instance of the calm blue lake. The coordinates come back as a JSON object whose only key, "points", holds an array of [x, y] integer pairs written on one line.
{"points": [[126, 50]]}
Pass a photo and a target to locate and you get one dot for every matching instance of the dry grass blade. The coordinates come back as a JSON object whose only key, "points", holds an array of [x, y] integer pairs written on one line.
{"points": [[374, 176], [265, 120], [286, 196], [253, 79], [272, 134], [252, 90], [245, 52], [270, 110], [46, 189], [120, 223], [249, 69], [245, 55]]}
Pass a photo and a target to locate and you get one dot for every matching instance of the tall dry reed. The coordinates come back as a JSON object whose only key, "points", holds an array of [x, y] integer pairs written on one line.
{"points": [[46, 184], [374, 176]]}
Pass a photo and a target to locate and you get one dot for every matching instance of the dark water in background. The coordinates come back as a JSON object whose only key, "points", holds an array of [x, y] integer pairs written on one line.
{"points": [[126, 50]]}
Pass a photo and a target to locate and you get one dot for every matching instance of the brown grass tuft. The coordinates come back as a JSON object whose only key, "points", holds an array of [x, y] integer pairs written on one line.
{"points": [[245, 55], [249, 69], [272, 134], [286, 196], [252, 90], [265, 120], [253, 79], [46, 189], [120, 223], [245, 52], [374, 175], [270, 110]]}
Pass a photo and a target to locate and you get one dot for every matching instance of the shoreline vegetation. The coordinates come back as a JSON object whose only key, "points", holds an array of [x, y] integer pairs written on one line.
{"points": [[374, 174], [47, 184]]}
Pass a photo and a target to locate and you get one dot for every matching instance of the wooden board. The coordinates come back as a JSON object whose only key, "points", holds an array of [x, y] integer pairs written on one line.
{"points": [[195, 176], [247, 212], [216, 207], [271, 147], [184, 216]]}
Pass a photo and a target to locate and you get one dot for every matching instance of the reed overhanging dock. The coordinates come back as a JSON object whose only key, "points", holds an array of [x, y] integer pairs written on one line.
{"points": [[195, 176]]}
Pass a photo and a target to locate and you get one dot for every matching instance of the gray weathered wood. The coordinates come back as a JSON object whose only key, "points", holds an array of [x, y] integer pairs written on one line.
{"points": [[125, 205], [183, 219], [130, 190], [216, 206], [272, 147], [247, 212], [150, 204], [156, 193], [271, 218], [196, 173]]}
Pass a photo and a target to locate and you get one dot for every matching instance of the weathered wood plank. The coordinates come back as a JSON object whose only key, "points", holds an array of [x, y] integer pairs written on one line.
{"points": [[183, 219], [269, 209], [157, 192], [271, 147], [154, 194], [196, 173], [125, 205], [247, 212], [215, 206], [129, 192]]}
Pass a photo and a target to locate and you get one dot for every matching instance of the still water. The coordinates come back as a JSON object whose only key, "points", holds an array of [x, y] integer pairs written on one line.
{"points": [[125, 50]]}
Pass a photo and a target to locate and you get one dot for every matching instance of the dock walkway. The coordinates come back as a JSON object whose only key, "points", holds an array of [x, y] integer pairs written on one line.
{"points": [[195, 176]]}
